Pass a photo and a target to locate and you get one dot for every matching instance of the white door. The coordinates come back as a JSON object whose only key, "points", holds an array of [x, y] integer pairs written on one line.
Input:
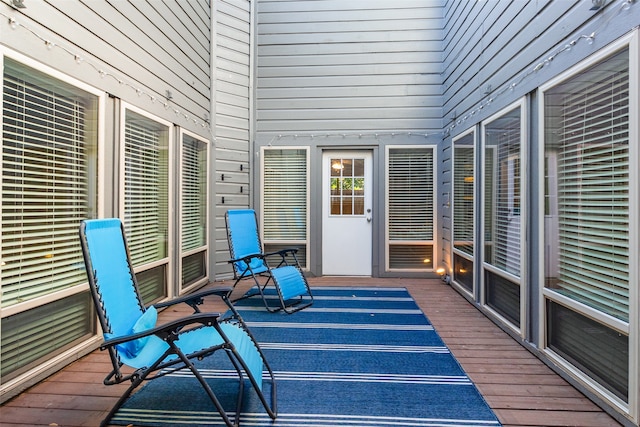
{"points": [[346, 213]]}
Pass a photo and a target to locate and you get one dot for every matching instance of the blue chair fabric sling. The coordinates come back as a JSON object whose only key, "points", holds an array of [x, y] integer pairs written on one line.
{"points": [[251, 263], [132, 337]]}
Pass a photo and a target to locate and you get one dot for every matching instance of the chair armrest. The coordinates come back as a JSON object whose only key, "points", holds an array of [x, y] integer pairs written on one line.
{"points": [[283, 252], [196, 298], [165, 330], [247, 258]]}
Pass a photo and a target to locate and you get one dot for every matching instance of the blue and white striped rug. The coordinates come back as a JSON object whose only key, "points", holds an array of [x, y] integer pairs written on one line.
{"points": [[358, 357]]}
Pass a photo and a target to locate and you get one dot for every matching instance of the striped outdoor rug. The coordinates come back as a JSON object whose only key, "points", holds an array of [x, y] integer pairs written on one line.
{"points": [[358, 357]]}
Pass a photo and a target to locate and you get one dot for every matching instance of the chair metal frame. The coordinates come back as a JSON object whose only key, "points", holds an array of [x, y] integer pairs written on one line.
{"points": [[255, 266], [174, 359]]}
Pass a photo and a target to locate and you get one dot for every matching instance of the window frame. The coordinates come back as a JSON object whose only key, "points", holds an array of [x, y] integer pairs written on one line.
{"points": [[435, 262], [454, 251], [100, 179], [203, 248], [287, 242], [167, 261], [632, 327], [52, 361], [520, 104]]}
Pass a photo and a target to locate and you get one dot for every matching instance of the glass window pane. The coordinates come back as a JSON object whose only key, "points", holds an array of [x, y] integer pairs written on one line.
{"points": [[194, 193], [335, 206], [146, 197], [49, 181], [347, 184], [285, 195], [587, 186], [358, 167], [463, 196], [502, 192]]}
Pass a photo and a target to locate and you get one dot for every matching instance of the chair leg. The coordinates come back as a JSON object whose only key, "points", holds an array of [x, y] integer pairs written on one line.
{"points": [[136, 380], [211, 394]]}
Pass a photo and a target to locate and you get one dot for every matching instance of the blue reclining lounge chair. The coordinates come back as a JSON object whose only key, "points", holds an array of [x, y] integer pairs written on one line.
{"points": [[132, 337], [250, 262]]}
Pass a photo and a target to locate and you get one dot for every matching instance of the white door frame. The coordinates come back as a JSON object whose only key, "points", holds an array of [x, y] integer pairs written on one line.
{"points": [[347, 236]]}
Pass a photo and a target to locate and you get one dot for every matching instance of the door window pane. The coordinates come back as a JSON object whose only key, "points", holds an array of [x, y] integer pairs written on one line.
{"points": [[347, 186]]}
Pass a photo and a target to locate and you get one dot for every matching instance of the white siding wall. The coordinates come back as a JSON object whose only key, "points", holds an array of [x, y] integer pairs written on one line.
{"points": [[153, 55], [232, 116], [496, 52], [490, 45], [348, 66], [143, 50]]}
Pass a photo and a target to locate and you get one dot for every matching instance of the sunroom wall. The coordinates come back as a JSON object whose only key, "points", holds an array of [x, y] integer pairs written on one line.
{"points": [[358, 75], [500, 53], [154, 57]]}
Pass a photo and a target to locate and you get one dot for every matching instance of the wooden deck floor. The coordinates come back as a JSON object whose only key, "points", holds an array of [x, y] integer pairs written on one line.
{"points": [[521, 389]]}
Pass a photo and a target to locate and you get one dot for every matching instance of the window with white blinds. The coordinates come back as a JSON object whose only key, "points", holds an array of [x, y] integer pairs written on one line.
{"points": [[502, 224], [49, 157], [146, 190], [194, 193], [284, 197], [193, 209], [463, 187], [410, 208], [49, 184], [586, 120]]}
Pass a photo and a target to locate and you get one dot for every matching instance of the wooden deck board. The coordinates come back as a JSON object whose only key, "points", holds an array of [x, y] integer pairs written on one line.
{"points": [[521, 389]]}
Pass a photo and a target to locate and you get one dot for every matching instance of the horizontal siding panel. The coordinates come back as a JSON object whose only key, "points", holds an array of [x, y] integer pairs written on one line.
{"points": [[231, 121], [425, 58], [236, 82], [376, 36], [230, 44], [349, 113], [350, 81], [233, 139], [232, 88], [349, 92], [224, 65], [356, 102], [231, 99], [396, 14], [236, 14], [351, 70], [430, 24], [398, 124], [232, 111], [335, 5], [348, 48]]}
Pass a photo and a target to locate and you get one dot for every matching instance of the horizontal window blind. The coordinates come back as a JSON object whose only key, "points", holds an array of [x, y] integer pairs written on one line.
{"points": [[48, 182], [463, 198], [502, 192], [146, 188], [410, 204], [31, 336], [410, 194], [589, 117], [194, 193], [285, 195]]}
